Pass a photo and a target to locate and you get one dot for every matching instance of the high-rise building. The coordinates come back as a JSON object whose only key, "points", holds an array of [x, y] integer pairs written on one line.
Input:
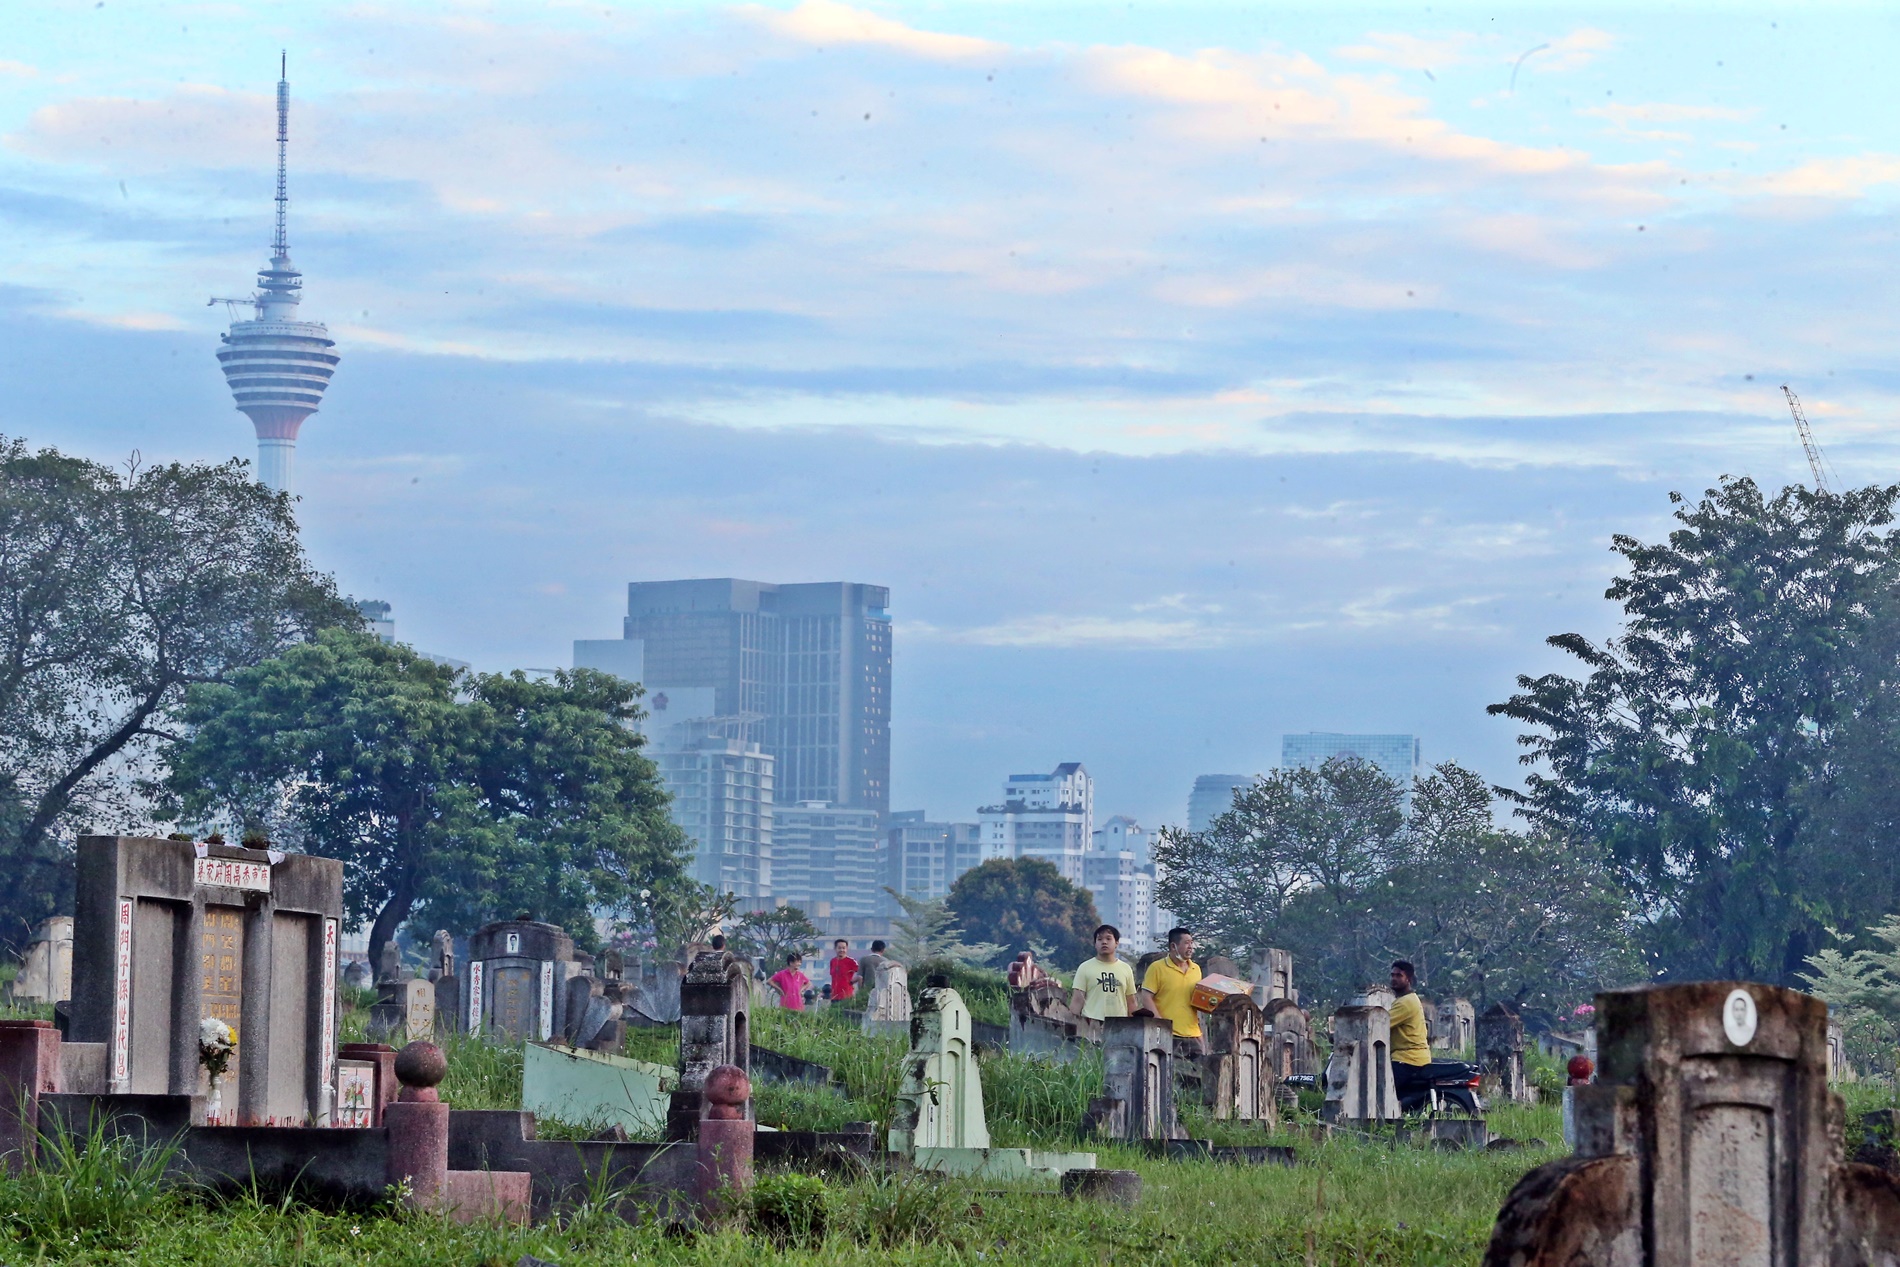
{"points": [[722, 798], [925, 857], [276, 365], [829, 860], [1397, 755], [1048, 816], [1119, 871], [1213, 795], [806, 667]]}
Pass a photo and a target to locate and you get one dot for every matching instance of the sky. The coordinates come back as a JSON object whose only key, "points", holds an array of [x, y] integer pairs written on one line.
{"points": [[1192, 374]]}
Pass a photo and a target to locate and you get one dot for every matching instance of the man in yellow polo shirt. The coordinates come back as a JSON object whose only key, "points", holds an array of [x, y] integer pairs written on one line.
{"points": [[1166, 987], [1411, 1047]]}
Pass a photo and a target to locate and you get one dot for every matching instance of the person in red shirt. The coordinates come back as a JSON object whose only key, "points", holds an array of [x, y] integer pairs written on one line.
{"points": [[791, 983], [844, 972]]}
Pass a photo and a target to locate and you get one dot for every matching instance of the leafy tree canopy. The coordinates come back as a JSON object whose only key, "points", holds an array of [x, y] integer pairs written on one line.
{"points": [[770, 935], [460, 798], [1731, 751], [1025, 904], [1333, 865], [927, 932], [119, 589]]}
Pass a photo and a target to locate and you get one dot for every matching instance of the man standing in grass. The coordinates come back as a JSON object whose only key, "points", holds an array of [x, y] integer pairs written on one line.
{"points": [[844, 972], [790, 982], [1104, 985], [1167, 990]]}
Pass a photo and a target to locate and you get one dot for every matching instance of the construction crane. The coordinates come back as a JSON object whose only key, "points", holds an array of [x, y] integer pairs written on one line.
{"points": [[1808, 445]]}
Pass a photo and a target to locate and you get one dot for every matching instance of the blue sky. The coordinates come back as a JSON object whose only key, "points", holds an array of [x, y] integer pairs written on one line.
{"points": [[1192, 374]]}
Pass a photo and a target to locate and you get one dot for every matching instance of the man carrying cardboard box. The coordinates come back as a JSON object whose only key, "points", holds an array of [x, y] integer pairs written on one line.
{"points": [[1167, 991]]}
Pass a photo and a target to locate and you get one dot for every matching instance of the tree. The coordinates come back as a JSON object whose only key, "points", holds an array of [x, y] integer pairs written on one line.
{"points": [[1864, 985], [770, 935], [1025, 904], [118, 591], [928, 931], [460, 797], [1492, 914], [1321, 836], [1702, 751]]}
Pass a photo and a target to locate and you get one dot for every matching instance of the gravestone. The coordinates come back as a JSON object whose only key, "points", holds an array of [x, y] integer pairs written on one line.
{"points": [[356, 975], [404, 1014], [450, 1014], [1137, 1100], [597, 1008], [517, 979], [1219, 966], [166, 933], [938, 1123], [656, 994], [1041, 1024], [1290, 1048], [1236, 1071], [1838, 1068], [1271, 972], [1501, 1055], [389, 966], [1380, 996], [1710, 1137], [888, 1011], [46, 971], [715, 1030], [1359, 1086], [1457, 1027]]}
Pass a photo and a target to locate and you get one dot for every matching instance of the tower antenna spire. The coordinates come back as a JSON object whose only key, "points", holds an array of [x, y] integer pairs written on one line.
{"points": [[281, 244]]}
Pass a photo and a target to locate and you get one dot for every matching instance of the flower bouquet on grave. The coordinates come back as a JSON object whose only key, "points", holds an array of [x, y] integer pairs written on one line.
{"points": [[216, 1042]]}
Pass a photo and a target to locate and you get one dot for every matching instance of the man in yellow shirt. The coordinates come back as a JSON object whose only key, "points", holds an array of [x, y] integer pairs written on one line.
{"points": [[1167, 987], [1411, 1047]]}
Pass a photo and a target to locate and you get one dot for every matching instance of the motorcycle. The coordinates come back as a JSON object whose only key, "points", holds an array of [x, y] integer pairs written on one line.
{"points": [[1450, 1089]]}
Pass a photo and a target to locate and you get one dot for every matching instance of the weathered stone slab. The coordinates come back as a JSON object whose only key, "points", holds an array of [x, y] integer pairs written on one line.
{"points": [[1137, 1100], [1710, 1138], [1358, 1081], [1236, 1071], [888, 1010], [595, 1089], [46, 970], [715, 1030], [1457, 1025], [1501, 1056]]}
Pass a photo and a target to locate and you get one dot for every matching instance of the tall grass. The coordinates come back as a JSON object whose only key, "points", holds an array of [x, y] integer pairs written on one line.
{"points": [[92, 1192]]}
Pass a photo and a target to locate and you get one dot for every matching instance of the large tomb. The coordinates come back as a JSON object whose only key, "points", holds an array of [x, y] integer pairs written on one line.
{"points": [[517, 979], [166, 933]]}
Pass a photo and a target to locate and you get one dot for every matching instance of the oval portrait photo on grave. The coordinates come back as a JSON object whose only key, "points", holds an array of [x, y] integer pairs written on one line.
{"points": [[1738, 1017]]}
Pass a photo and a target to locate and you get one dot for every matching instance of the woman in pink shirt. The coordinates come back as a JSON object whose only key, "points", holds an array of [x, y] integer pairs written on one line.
{"points": [[791, 983]]}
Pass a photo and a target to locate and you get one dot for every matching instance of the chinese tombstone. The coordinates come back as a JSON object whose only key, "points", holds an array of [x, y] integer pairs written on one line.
{"points": [[1359, 1086], [1237, 1072], [167, 933], [517, 979]]}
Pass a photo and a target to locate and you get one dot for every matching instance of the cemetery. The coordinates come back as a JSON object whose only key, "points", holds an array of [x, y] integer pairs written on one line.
{"points": [[219, 1081]]}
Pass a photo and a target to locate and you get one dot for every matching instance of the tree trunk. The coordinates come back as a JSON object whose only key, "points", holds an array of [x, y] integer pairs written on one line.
{"points": [[401, 901]]}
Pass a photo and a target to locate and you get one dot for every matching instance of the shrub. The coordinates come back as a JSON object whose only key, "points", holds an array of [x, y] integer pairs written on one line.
{"points": [[791, 1209]]}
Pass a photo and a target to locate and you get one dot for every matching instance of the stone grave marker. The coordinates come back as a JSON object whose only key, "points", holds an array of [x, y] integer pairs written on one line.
{"points": [[1710, 1138], [1041, 1024], [46, 972], [166, 933], [888, 1011], [1137, 1100], [939, 1123], [1271, 972], [1236, 1073], [450, 1014], [715, 1030], [1838, 1067], [356, 975], [404, 1014], [517, 979], [1359, 1086], [1289, 1040], [1457, 1027], [1501, 1055]]}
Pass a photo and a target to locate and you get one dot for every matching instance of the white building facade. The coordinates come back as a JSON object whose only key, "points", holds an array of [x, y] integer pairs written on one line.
{"points": [[1048, 816]]}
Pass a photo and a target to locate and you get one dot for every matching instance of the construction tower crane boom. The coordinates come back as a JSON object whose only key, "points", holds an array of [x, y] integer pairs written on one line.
{"points": [[1808, 445]]}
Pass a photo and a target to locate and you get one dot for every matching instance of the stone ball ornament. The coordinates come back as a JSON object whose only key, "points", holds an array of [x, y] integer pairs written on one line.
{"points": [[420, 1067], [727, 1090]]}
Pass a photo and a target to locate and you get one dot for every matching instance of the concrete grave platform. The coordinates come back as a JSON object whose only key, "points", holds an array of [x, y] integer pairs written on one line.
{"points": [[593, 1088]]}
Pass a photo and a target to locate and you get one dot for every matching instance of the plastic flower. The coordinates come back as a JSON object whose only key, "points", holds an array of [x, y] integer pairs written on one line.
{"points": [[1585, 1009]]}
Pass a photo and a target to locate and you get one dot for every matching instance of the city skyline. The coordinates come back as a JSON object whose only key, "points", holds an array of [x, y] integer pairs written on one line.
{"points": [[1335, 436]]}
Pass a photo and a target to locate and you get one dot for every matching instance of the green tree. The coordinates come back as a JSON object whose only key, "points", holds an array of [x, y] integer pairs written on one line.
{"points": [[459, 797], [1311, 839], [1700, 751], [927, 931], [1492, 914], [1025, 904], [770, 935], [120, 589], [1864, 985]]}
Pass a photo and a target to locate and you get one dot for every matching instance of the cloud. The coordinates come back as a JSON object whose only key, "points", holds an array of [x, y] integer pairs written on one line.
{"points": [[1846, 177], [1051, 631], [1414, 52], [826, 22]]}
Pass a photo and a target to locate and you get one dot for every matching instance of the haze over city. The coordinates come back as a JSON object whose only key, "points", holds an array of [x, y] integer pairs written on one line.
{"points": [[1189, 374]]}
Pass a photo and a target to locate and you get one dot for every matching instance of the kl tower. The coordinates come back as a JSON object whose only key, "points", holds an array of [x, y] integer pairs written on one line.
{"points": [[278, 366]]}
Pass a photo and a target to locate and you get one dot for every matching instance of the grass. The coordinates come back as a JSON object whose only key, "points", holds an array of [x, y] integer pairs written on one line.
{"points": [[1351, 1201]]}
